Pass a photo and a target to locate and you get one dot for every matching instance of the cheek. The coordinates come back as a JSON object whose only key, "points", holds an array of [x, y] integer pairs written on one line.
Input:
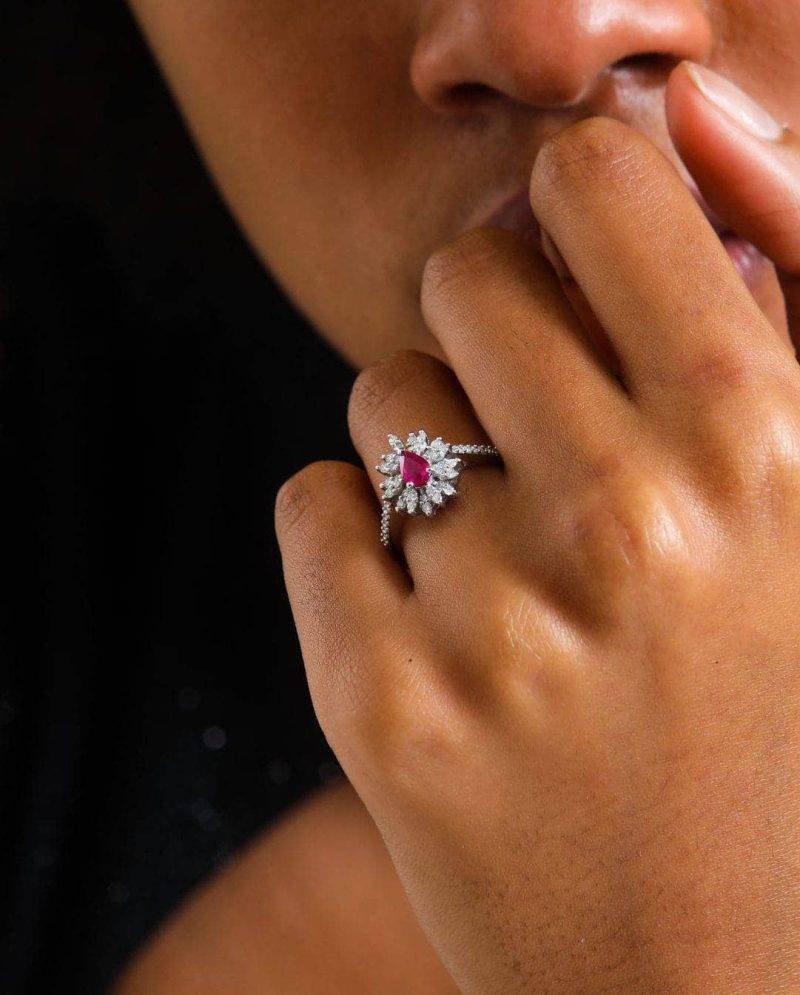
{"points": [[309, 113], [332, 96], [762, 37], [304, 112]]}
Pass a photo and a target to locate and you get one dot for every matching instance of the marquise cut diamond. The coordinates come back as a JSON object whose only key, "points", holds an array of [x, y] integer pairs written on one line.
{"points": [[392, 487], [446, 469], [437, 450]]}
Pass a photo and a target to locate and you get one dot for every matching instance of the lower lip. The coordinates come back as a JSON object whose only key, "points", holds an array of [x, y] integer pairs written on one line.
{"points": [[748, 261]]}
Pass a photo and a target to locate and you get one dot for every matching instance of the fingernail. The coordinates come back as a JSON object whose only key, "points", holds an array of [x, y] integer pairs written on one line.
{"points": [[728, 98]]}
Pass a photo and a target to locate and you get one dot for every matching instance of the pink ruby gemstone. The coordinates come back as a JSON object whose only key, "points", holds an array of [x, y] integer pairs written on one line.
{"points": [[414, 469]]}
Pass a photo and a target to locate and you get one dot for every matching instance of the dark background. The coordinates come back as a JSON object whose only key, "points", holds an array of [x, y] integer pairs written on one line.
{"points": [[153, 710]]}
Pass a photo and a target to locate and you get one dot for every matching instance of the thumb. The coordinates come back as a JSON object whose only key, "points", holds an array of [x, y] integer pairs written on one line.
{"points": [[747, 166]]}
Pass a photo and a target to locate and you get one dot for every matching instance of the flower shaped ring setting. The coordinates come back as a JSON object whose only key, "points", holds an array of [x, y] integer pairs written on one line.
{"points": [[422, 475]]}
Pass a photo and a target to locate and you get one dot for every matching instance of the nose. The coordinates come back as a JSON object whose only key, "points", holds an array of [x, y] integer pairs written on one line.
{"points": [[545, 53]]}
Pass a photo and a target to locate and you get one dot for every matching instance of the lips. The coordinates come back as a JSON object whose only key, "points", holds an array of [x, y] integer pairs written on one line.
{"points": [[515, 215]]}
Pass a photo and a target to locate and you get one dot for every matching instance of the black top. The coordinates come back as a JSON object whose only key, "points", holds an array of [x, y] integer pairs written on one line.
{"points": [[153, 709]]}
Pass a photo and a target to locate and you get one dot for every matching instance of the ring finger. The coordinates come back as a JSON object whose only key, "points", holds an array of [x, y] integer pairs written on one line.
{"points": [[409, 392], [541, 388]]}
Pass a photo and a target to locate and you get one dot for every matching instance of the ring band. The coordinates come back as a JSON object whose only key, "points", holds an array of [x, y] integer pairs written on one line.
{"points": [[421, 475]]}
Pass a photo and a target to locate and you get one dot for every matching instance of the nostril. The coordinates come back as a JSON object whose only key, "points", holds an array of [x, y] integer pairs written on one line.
{"points": [[465, 96], [661, 62], [469, 91], [476, 54]]}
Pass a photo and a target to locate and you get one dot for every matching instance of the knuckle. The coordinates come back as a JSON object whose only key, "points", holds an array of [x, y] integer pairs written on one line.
{"points": [[623, 527], [406, 737], [376, 385], [721, 369], [297, 505], [535, 648], [417, 750], [464, 261], [597, 146], [746, 418], [293, 503], [304, 528], [762, 462], [779, 462], [350, 700]]}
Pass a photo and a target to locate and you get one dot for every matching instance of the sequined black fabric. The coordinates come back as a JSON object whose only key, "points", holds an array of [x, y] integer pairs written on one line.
{"points": [[153, 711]]}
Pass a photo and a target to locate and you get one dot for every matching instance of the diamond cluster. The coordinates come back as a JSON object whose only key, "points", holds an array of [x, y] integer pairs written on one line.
{"points": [[421, 474]]}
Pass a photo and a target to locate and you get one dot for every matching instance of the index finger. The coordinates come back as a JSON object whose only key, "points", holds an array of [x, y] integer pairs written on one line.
{"points": [[650, 264]]}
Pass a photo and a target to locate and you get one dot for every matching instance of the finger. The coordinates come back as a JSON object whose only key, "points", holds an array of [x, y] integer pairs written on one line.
{"points": [[342, 585], [747, 166], [518, 348], [577, 299], [650, 264], [408, 392]]}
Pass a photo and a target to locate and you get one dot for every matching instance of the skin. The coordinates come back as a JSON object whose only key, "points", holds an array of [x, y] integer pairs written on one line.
{"points": [[314, 906], [570, 704]]}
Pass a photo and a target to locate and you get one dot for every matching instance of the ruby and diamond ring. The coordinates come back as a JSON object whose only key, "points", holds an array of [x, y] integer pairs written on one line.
{"points": [[421, 475]]}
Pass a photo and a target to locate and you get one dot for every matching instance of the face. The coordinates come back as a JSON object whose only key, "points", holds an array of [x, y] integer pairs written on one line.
{"points": [[353, 137]]}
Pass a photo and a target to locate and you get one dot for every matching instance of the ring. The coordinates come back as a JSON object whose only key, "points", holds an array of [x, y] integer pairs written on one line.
{"points": [[422, 475]]}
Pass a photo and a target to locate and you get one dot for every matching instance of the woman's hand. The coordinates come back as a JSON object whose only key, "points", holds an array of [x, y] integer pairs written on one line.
{"points": [[750, 174], [577, 723]]}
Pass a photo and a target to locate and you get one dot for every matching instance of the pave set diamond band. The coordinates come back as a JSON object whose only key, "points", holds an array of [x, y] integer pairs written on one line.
{"points": [[421, 475]]}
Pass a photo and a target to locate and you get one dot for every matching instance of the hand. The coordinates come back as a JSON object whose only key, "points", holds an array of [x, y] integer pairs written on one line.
{"points": [[575, 719], [752, 181]]}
